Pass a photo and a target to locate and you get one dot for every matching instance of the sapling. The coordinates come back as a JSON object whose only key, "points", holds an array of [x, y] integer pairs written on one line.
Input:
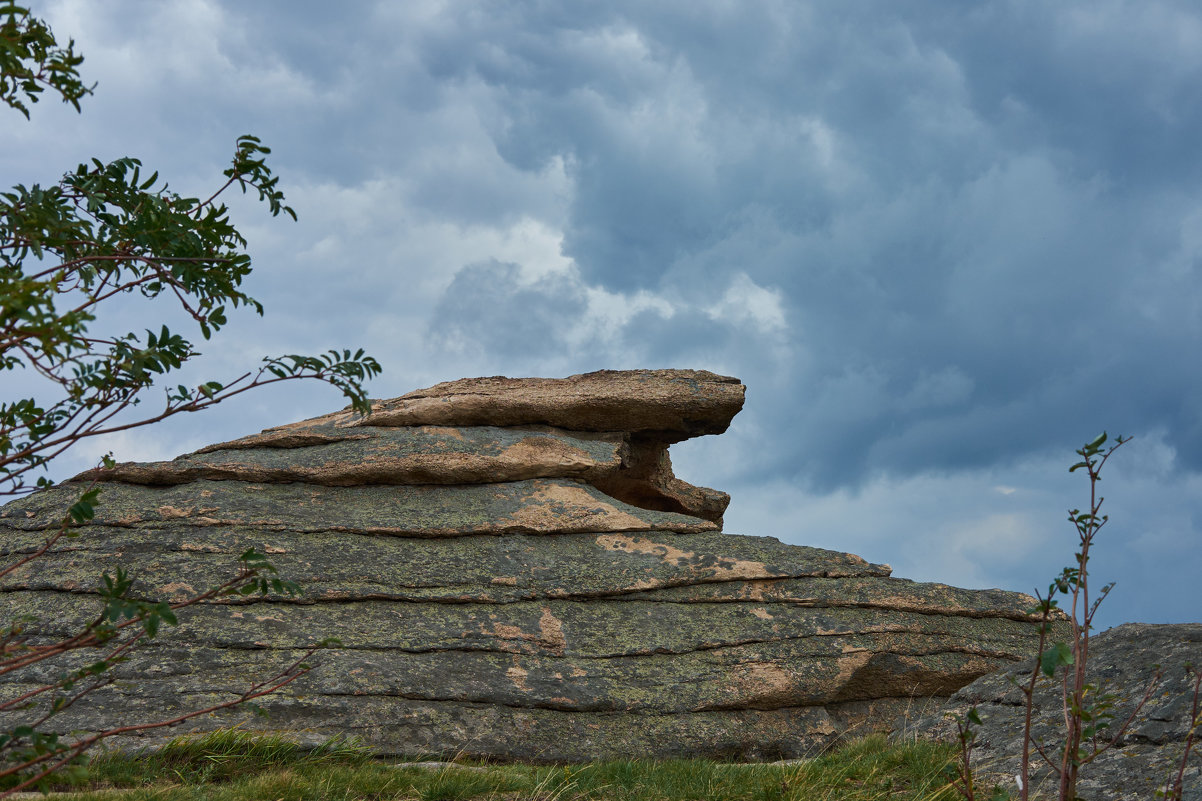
{"points": [[1088, 713]]}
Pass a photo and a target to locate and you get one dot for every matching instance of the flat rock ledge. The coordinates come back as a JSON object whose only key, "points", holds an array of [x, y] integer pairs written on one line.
{"points": [[514, 572], [1123, 661]]}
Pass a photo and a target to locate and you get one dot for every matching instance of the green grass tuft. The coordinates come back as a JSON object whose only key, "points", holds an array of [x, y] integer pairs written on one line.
{"points": [[236, 765], [218, 757]]}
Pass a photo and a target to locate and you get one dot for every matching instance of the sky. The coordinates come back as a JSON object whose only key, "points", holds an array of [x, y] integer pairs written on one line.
{"points": [[943, 244]]}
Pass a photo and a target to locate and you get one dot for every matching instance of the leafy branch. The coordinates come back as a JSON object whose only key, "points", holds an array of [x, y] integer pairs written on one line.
{"points": [[105, 231], [31, 61], [67, 252]]}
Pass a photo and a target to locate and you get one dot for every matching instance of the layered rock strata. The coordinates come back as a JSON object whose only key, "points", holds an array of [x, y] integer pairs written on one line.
{"points": [[514, 572]]}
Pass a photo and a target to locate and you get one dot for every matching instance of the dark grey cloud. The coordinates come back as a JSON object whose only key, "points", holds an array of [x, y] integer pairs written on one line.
{"points": [[1004, 194]]}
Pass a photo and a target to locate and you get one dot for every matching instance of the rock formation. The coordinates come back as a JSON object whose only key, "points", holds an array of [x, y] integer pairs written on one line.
{"points": [[514, 572], [1123, 661]]}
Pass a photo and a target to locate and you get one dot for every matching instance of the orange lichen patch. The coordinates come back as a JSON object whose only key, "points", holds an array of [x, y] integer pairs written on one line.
{"points": [[508, 581], [546, 453], [177, 588], [551, 629], [508, 632], [518, 676], [723, 567], [549, 637], [199, 547], [175, 512], [756, 590], [851, 661], [762, 613], [273, 549], [764, 684], [570, 509]]}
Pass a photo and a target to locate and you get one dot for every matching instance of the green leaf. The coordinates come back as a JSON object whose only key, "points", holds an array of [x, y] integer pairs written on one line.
{"points": [[1054, 657], [83, 510]]}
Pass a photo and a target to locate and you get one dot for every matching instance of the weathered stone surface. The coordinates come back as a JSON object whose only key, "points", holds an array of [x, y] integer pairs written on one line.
{"points": [[541, 506], [1123, 661], [674, 404], [422, 455], [515, 572], [621, 424], [486, 569]]}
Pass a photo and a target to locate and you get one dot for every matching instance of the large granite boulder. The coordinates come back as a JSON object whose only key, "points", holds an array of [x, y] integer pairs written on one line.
{"points": [[1125, 662], [514, 572]]}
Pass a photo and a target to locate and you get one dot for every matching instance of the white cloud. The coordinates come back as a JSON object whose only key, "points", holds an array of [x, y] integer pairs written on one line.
{"points": [[147, 50], [747, 303]]}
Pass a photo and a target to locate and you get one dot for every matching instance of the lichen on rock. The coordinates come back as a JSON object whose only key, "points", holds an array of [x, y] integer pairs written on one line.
{"points": [[515, 572]]}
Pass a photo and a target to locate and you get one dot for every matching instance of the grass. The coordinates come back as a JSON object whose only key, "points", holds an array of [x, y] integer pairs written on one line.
{"points": [[233, 765]]}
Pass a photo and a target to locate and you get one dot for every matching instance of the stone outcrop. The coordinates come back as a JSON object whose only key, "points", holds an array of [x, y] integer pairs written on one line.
{"points": [[1123, 661], [514, 572]]}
